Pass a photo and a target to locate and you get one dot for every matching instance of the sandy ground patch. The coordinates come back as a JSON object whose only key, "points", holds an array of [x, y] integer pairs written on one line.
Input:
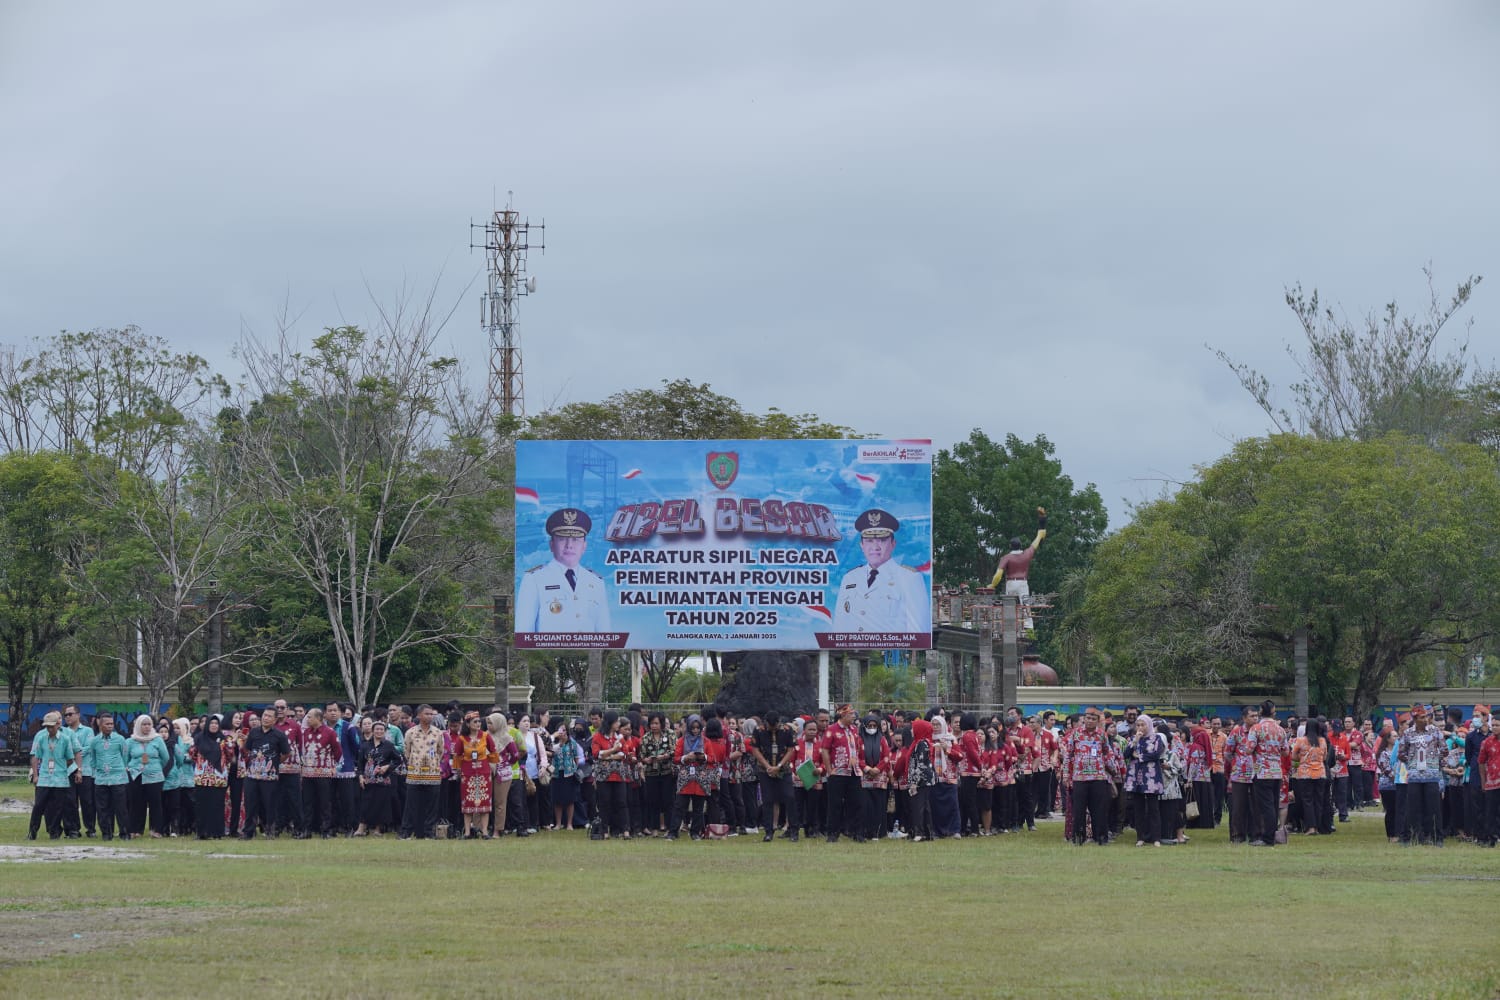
{"points": [[10, 805], [37, 929], [28, 854]]}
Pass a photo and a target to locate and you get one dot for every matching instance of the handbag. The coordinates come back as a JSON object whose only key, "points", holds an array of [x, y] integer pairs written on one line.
{"points": [[530, 785], [716, 831], [1280, 837], [1192, 809], [544, 774]]}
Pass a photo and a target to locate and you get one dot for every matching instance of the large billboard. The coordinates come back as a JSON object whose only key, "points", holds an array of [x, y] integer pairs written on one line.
{"points": [[723, 545]]}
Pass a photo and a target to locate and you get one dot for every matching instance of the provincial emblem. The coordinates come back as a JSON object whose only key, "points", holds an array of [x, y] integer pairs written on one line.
{"points": [[723, 467], [555, 607]]}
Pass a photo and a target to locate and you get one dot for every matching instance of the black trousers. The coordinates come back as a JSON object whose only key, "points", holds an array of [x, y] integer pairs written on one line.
{"points": [[111, 807], [262, 802], [689, 810], [874, 812], [289, 800], [1240, 796], [635, 806], [1044, 783], [1171, 816], [452, 807], [345, 804], [145, 797], [208, 810], [1267, 797], [1025, 804], [659, 791], [317, 805], [920, 810], [1393, 804], [968, 805], [1203, 794], [774, 792], [1341, 801], [1453, 810], [1359, 786], [1220, 796], [1480, 826], [843, 804], [812, 806], [50, 804], [1143, 807], [1002, 807], [83, 801], [1491, 814], [614, 812], [421, 815], [1424, 821], [1091, 801], [236, 802]]}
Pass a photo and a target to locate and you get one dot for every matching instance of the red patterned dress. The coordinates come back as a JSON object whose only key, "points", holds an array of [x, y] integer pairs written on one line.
{"points": [[474, 760]]}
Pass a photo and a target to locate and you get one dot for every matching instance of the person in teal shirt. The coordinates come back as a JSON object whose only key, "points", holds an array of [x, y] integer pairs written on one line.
{"points": [[106, 757], [145, 763], [83, 790], [177, 790], [54, 768]]}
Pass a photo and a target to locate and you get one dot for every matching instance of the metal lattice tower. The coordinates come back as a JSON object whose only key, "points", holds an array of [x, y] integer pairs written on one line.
{"points": [[507, 240]]}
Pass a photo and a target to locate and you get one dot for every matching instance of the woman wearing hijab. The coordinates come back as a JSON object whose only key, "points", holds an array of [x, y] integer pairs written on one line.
{"points": [[1143, 781], [921, 776], [945, 816], [212, 759], [874, 778], [146, 764], [970, 764], [1200, 774], [177, 790], [697, 778]]}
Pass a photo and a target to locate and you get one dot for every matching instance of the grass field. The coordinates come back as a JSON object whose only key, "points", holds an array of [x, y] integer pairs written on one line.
{"points": [[1013, 916]]}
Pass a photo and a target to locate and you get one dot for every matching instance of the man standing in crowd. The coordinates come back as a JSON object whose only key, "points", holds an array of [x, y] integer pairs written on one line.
{"points": [[424, 775], [839, 750], [1474, 806], [83, 789], [1266, 742], [289, 783], [55, 765], [1090, 765], [106, 759], [1420, 748], [346, 778], [773, 746], [1044, 766], [1217, 741], [265, 751], [321, 754]]}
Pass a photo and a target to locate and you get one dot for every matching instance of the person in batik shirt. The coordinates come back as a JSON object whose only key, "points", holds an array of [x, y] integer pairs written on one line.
{"points": [[1090, 765], [1267, 743]]}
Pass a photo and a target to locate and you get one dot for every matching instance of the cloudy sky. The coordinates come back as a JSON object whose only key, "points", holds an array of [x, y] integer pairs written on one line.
{"points": [[912, 219]]}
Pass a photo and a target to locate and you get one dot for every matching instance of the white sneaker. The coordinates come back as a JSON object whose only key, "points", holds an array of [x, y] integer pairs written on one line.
{"points": [[895, 835]]}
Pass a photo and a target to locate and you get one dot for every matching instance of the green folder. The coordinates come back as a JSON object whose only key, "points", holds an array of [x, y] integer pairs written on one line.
{"points": [[807, 773]]}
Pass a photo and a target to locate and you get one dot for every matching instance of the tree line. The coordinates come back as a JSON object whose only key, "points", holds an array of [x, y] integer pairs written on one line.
{"points": [[340, 516]]}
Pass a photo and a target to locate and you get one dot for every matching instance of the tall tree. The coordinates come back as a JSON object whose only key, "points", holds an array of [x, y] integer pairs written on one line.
{"points": [[43, 509], [1383, 549], [1384, 371], [376, 481]]}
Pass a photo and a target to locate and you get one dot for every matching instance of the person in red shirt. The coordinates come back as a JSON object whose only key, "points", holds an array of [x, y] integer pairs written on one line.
{"points": [[321, 753], [1489, 776], [610, 770], [839, 752], [1044, 764], [696, 779], [810, 801], [970, 765], [716, 749]]}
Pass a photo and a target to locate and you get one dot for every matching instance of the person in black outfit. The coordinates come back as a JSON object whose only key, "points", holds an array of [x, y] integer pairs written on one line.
{"points": [[773, 746], [265, 748]]}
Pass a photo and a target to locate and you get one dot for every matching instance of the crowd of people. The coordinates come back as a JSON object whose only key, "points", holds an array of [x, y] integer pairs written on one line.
{"points": [[416, 773]]}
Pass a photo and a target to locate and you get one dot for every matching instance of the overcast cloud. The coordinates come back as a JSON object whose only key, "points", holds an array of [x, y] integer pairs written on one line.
{"points": [[914, 219]]}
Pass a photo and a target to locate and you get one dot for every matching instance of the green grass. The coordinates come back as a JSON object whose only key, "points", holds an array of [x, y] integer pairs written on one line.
{"points": [[1013, 916]]}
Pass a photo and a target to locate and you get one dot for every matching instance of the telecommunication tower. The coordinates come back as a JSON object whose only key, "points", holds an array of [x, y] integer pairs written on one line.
{"points": [[507, 240]]}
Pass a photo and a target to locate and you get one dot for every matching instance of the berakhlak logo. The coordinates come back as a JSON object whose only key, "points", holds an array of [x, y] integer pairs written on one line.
{"points": [[723, 467]]}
